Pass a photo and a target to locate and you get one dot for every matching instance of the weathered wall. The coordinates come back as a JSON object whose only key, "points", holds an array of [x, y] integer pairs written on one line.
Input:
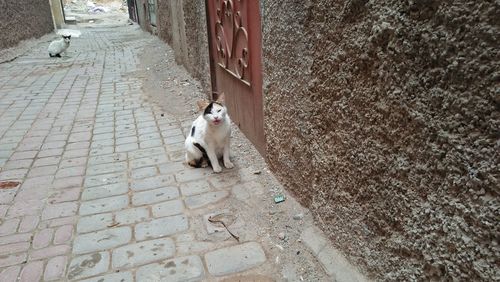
{"points": [[383, 117], [182, 24], [23, 19], [165, 21]]}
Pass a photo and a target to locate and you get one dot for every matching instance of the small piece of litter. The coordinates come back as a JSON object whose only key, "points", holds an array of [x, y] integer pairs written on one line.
{"points": [[282, 235], [298, 216], [257, 172], [279, 199], [8, 184]]}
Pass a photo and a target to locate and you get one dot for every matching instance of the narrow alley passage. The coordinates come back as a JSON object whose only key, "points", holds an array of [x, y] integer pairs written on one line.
{"points": [[95, 188]]}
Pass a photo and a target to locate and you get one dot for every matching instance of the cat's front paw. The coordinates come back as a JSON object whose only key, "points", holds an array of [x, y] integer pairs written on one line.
{"points": [[228, 164], [217, 169]]}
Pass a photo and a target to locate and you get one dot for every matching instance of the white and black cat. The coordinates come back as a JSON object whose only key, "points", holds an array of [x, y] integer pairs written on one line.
{"points": [[58, 46], [209, 136]]}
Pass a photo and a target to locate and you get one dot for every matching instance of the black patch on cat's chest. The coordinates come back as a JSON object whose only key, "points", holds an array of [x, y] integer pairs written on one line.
{"points": [[192, 131]]}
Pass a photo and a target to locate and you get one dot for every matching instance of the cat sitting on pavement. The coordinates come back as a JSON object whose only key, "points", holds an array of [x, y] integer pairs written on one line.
{"points": [[58, 46], [208, 139]]}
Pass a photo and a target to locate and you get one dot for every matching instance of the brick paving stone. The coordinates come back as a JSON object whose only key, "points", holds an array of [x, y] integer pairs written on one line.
{"points": [[54, 160], [17, 164], [13, 174], [105, 159], [3, 210], [81, 161], [148, 161], [235, 259], [101, 240], [88, 265], [42, 170], [94, 222], [126, 140], [62, 221], [12, 259], [170, 168], [42, 238], [167, 208], [194, 187], [144, 172], [66, 195], [10, 274], [179, 269], [55, 268], [104, 205], [113, 277], [78, 145], [50, 153], [71, 154], [143, 252], [192, 174], [150, 143], [9, 226], [23, 155], [14, 248], [68, 182], [101, 151], [201, 200], [143, 153], [59, 210], [107, 168], [126, 147], [161, 227], [7, 196], [154, 196], [105, 191], [31, 272], [63, 234], [130, 216], [70, 171], [48, 252], [15, 238], [28, 223], [152, 182]]}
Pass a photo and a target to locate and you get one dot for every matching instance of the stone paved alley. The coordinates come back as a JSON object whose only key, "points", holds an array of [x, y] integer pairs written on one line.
{"points": [[103, 193]]}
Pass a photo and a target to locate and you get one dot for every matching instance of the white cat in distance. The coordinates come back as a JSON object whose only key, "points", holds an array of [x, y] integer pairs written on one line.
{"points": [[58, 46]]}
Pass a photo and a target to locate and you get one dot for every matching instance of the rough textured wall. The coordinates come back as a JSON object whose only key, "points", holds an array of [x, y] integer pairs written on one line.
{"points": [[197, 62], [383, 117], [182, 24], [164, 21], [23, 19]]}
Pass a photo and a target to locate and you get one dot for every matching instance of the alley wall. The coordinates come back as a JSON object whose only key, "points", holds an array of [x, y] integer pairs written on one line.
{"points": [[24, 19], [183, 25], [383, 118]]}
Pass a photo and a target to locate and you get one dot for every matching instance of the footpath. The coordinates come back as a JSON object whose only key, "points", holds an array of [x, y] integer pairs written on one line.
{"points": [[93, 185]]}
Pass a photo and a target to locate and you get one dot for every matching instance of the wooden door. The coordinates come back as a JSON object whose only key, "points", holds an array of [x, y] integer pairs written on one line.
{"points": [[234, 33]]}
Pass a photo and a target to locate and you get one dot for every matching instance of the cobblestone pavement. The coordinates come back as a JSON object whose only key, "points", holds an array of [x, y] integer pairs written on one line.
{"points": [[100, 191]]}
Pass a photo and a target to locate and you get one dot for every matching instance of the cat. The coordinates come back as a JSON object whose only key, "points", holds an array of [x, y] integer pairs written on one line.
{"points": [[56, 47], [208, 139]]}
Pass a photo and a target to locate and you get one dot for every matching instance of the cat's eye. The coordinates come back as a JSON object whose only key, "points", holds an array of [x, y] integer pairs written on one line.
{"points": [[218, 111]]}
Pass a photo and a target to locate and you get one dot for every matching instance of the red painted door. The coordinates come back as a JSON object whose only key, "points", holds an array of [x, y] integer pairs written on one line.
{"points": [[236, 68]]}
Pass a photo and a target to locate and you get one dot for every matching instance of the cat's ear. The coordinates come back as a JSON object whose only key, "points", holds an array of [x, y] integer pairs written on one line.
{"points": [[202, 104], [69, 36], [221, 99]]}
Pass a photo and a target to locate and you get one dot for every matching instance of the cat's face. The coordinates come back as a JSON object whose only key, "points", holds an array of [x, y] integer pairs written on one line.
{"points": [[67, 39], [215, 113]]}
